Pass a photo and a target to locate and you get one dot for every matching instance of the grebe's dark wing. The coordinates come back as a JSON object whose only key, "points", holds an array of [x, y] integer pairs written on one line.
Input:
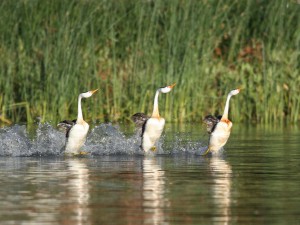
{"points": [[211, 122], [139, 119], [65, 126]]}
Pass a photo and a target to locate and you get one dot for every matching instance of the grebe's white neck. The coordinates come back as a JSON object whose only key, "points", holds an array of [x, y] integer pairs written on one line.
{"points": [[79, 115], [155, 112], [226, 109], [83, 95]]}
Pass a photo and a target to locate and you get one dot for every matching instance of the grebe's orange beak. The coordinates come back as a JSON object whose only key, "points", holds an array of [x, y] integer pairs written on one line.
{"points": [[93, 91], [171, 86]]}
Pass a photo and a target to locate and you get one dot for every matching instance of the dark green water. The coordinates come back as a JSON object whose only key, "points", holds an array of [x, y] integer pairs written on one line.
{"points": [[256, 181]]}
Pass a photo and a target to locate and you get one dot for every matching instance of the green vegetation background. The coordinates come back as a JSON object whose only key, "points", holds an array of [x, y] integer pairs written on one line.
{"points": [[50, 51]]}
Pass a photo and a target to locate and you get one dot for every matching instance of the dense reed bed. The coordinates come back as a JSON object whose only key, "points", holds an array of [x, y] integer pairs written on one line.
{"points": [[50, 51]]}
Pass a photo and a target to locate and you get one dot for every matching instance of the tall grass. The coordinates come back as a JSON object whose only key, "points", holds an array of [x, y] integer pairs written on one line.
{"points": [[50, 51]]}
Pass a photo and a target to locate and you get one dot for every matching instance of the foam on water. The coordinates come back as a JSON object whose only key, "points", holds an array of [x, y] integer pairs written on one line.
{"points": [[104, 139]]}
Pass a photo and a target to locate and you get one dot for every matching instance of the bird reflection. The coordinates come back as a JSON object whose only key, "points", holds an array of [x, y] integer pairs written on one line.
{"points": [[221, 172], [79, 190], [154, 199]]}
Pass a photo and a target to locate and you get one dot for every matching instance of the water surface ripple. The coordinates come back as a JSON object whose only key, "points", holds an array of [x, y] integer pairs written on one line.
{"points": [[255, 181]]}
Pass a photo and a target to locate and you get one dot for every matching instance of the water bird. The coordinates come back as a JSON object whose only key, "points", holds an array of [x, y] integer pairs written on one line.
{"points": [[211, 122], [151, 127], [219, 127], [76, 130], [139, 119]]}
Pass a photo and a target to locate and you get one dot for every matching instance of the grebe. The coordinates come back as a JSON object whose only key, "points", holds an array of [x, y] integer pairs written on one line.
{"points": [[152, 127], [76, 130], [219, 128]]}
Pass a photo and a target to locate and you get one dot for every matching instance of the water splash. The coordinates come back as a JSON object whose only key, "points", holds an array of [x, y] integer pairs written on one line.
{"points": [[14, 141], [185, 144], [49, 141], [104, 139]]}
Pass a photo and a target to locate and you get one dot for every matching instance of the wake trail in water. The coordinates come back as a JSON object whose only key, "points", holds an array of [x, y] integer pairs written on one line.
{"points": [[104, 139]]}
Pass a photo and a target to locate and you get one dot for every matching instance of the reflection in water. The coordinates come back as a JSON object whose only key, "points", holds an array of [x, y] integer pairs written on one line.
{"points": [[154, 199], [79, 190], [221, 172]]}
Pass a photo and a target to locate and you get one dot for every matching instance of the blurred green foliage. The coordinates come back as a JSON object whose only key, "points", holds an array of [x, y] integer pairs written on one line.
{"points": [[50, 51]]}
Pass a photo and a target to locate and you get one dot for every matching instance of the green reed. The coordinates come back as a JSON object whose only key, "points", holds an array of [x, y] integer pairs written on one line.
{"points": [[50, 51]]}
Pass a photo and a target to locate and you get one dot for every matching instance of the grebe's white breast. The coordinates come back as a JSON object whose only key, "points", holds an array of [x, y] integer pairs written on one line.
{"points": [[153, 130], [220, 135], [77, 137]]}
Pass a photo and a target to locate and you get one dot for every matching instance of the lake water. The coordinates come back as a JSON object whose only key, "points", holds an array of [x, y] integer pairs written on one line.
{"points": [[255, 181]]}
